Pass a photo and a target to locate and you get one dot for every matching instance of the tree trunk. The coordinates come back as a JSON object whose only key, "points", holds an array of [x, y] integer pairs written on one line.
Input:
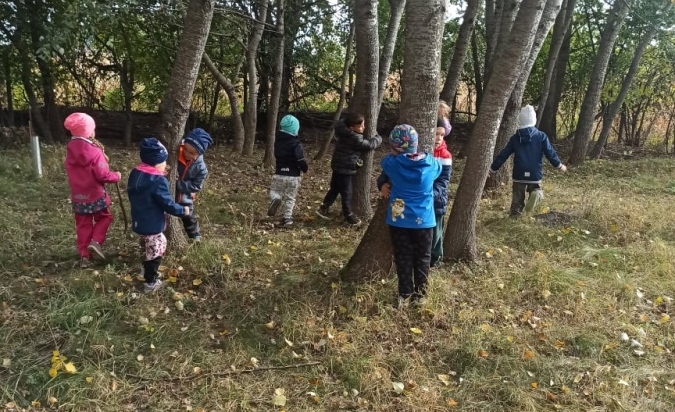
{"points": [[613, 109], [509, 123], [9, 86], [396, 8], [419, 103], [127, 84], [277, 75], [251, 110], [503, 20], [175, 107], [493, 17], [478, 78], [459, 54], [214, 105], [37, 119], [560, 29], [365, 100], [591, 98], [548, 123], [231, 91], [343, 91], [460, 242]]}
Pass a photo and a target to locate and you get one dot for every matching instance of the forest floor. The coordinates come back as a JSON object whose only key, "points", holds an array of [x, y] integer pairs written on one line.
{"points": [[536, 325]]}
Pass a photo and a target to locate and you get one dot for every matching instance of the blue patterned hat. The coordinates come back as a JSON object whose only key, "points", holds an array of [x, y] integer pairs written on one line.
{"points": [[403, 139]]}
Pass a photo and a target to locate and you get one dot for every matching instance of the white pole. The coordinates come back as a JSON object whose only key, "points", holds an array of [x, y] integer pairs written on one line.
{"points": [[37, 161]]}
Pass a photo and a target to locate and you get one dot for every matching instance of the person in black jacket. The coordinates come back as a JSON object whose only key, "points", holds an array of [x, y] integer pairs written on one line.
{"points": [[290, 161], [350, 146]]}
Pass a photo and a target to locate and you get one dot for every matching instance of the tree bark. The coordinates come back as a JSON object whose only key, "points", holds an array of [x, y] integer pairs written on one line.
{"points": [[365, 99], [589, 105], [175, 107], [548, 122], [477, 76], [419, 103], [459, 54], [9, 86], [127, 83], [509, 123], [560, 29], [507, 10], [396, 8], [275, 95], [460, 242], [251, 110], [343, 92]]}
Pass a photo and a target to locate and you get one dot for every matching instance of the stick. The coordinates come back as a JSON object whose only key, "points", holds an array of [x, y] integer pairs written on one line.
{"points": [[124, 211], [227, 373]]}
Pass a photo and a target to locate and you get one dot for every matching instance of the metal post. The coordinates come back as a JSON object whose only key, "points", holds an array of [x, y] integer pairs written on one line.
{"points": [[34, 146]]}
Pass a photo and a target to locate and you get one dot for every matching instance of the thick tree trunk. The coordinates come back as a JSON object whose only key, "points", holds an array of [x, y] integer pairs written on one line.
{"points": [[493, 17], [37, 119], [275, 95], [509, 122], [231, 91], [396, 8], [504, 21], [343, 92], [613, 109], [460, 242], [548, 123], [560, 29], [365, 101], [420, 81], [477, 76], [251, 110], [175, 107], [589, 105], [459, 54], [127, 84]]}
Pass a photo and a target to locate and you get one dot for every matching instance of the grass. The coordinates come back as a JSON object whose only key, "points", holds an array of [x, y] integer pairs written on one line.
{"points": [[535, 325]]}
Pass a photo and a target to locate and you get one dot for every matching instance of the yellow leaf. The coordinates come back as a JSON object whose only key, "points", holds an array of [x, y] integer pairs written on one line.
{"points": [[510, 338], [578, 377], [665, 318], [613, 228], [399, 387], [35, 404], [172, 279], [127, 278], [197, 282], [70, 368], [658, 300], [224, 332], [253, 247], [451, 402], [565, 390], [270, 325], [534, 385], [162, 268], [644, 318], [416, 331], [483, 353], [279, 399], [226, 259], [89, 379], [559, 344], [528, 355], [444, 378], [484, 327], [52, 373]]}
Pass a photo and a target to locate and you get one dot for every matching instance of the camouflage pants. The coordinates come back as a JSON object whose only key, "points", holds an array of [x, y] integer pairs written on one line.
{"points": [[285, 188]]}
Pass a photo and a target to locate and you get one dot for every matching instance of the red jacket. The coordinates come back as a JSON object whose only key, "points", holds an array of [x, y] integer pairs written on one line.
{"points": [[87, 170], [442, 152]]}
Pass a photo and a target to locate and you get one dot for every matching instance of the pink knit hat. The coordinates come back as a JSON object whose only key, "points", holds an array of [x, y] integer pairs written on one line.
{"points": [[80, 125]]}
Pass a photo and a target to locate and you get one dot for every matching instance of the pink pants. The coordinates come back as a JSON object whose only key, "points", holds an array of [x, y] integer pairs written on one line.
{"points": [[92, 227]]}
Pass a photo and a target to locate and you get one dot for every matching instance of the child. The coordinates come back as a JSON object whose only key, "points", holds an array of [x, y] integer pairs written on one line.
{"points": [[290, 161], [410, 214], [444, 114], [87, 169], [192, 172], [528, 145], [444, 156], [350, 146], [150, 198]]}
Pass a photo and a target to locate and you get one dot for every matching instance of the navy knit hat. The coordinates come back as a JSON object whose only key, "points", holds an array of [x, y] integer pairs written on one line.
{"points": [[199, 139], [153, 152]]}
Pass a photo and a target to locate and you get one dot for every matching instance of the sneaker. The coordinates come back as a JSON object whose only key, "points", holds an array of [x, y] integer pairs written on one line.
{"points": [[323, 212], [197, 239], [153, 287], [420, 301], [95, 249], [351, 219], [403, 302], [285, 222], [85, 263], [274, 207]]}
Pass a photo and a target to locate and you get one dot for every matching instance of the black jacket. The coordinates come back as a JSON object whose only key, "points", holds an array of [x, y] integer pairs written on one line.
{"points": [[290, 158], [349, 148]]}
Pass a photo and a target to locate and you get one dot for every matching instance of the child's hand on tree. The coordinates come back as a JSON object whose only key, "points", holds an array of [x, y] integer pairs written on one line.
{"points": [[186, 210], [563, 167], [385, 191]]}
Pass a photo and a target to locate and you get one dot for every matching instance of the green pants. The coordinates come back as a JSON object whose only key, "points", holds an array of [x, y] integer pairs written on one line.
{"points": [[437, 242]]}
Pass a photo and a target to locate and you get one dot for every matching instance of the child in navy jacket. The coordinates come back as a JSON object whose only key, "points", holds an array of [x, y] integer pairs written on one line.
{"points": [[150, 198], [410, 215], [441, 184], [192, 172], [527, 145]]}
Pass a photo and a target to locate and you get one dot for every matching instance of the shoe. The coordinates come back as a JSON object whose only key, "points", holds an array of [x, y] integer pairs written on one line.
{"points": [[420, 301], [85, 263], [95, 249], [153, 287], [274, 207], [351, 219], [197, 239], [403, 302], [285, 222], [323, 212]]}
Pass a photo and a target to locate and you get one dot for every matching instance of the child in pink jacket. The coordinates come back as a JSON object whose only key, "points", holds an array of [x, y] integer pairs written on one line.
{"points": [[88, 172]]}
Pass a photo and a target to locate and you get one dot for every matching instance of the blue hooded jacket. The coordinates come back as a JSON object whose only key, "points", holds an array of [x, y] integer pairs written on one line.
{"points": [[528, 145], [411, 200], [150, 198]]}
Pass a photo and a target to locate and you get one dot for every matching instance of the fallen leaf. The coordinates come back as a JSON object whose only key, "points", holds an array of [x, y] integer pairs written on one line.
{"points": [[226, 260], [528, 355], [89, 379], [644, 318], [128, 278], [550, 397], [484, 327], [86, 319], [416, 331], [270, 325], [279, 398], [6, 363], [545, 294], [664, 318], [162, 268], [140, 358], [172, 279], [179, 305], [35, 404], [288, 342], [565, 390], [578, 377], [534, 385], [398, 387], [197, 282], [451, 402], [70, 368], [52, 401], [444, 378], [53, 372], [482, 353]]}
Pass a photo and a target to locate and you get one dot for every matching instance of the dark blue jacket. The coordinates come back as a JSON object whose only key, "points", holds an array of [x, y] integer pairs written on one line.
{"points": [[528, 146], [150, 198], [191, 176], [290, 158]]}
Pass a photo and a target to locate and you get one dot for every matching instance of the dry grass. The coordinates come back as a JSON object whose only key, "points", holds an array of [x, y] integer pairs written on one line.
{"points": [[534, 326]]}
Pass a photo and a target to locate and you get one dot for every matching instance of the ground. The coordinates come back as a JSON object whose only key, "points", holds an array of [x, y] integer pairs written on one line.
{"points": [[536, 325]]}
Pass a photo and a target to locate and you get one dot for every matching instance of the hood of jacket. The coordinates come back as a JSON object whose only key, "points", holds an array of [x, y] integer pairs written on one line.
{"points": [[525, 134]]}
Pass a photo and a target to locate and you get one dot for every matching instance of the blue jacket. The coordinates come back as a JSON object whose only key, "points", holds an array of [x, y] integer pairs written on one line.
{"points": [[411, 202], [150, 198], [440, 189], [528, 145], [191, 176]]}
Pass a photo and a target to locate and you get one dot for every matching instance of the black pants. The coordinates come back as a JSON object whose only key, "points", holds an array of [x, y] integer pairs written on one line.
{"points": [[412, 256], [151, 269], [190, 224], [340, 184]]}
